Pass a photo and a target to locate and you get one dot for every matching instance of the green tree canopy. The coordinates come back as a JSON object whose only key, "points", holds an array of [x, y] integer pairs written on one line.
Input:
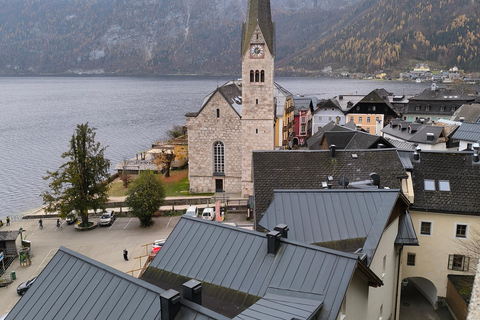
{"points": [[145, 196], [79, 184]]}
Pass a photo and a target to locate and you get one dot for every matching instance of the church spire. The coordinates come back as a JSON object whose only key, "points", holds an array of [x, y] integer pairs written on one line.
{"points": [[258, 11]]}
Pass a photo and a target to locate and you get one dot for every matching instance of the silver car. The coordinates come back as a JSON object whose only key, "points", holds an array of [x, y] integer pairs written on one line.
{"points": [[107, 218]]}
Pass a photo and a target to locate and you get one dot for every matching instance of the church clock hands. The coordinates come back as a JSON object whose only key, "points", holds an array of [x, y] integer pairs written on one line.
{"points": [[257, 51]]}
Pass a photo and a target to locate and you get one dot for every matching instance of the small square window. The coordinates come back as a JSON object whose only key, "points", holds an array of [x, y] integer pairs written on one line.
{"points": [[360, 119], [319, 118], [426, 228], [417, 108], [351, 119], [429, 185], [443, 185], [427, 108], [368, 119], [410, 259], [461, 231], [458, 262]]}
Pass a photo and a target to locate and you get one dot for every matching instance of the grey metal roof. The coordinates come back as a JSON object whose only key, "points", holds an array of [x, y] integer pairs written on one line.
{"points": [[328, 215], [278, 307], [406, 158], [310, 169], [468, 132], [418, 134], [462, 174], [73, 286], [234, 265]]}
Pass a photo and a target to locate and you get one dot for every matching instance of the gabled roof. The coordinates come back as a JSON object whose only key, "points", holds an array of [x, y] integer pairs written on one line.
{"points": [[415, 133], [401, 145], [347, 101], [259, 12], [310, 169], [442, 94], [314, 141], [73, 286], [468, 132], [329, 104], [235, 268], [345, 220], [230, 91], [467, 113], [456, 168]]}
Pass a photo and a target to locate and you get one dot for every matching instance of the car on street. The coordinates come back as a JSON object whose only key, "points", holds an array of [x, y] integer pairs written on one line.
{"points": [[24, 286], [71, 217], [107, 218]]}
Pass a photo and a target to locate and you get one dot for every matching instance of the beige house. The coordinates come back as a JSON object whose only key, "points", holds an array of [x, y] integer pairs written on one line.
{"points": [[445, 214]]}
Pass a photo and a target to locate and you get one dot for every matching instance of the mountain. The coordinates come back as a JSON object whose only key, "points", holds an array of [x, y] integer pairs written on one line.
{"points": [[203, 36], [395, 35]]}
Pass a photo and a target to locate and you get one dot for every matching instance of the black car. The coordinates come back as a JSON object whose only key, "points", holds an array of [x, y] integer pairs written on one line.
{"points": [[24, 286]]}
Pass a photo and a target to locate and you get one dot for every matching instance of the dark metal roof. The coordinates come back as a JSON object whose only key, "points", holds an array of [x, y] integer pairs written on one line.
{"points": [[418, 134], [278, 307], [326, 216], [234, 265], [309, 169], [468, 132], [406, 232], [406, 158], [73, 286], [462, 174]]}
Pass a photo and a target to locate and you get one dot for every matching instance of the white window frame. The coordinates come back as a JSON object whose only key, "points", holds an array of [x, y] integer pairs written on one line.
{"points": [[466, 230], [443, 185], [420, 228], [428, 182]]}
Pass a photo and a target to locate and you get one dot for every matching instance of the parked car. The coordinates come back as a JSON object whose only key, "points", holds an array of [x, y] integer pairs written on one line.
{"points": [[192, 211], [24, 286], [157, 245], [208, 214], [107, 218], [71, 217]]}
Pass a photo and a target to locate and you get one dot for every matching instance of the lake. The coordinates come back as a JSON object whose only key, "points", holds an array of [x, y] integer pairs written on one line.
{"points": [[39, 116]]}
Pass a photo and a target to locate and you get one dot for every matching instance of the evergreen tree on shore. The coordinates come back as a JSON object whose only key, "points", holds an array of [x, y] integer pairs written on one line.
{"points": [[79, 184]]}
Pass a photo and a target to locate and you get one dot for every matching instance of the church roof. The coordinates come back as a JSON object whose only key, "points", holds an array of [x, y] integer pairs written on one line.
{"points": [[259, 12]]}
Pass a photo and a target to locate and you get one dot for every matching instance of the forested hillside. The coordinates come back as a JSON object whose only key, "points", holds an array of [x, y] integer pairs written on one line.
{"points": [[203, 36], [396, 34]]}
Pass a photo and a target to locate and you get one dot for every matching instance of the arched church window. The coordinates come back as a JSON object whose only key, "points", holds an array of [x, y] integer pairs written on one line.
{"points": [[218, 157], [257, 76], [252, 76], [262, 76]]}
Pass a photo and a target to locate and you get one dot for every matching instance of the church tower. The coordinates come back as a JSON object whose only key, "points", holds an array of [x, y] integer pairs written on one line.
{"points": [[258, 112]]}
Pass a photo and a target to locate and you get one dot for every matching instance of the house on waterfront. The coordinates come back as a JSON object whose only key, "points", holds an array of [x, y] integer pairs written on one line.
{"points": [[303, 118], [283, 100], [436, 103], [327, 111], [238, 117]]}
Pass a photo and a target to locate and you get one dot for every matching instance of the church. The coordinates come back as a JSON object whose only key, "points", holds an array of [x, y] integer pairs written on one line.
{"points": [[239, 116]]}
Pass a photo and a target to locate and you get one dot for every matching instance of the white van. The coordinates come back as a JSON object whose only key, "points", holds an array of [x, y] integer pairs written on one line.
{"points": [[192, 211], [208, 214]]}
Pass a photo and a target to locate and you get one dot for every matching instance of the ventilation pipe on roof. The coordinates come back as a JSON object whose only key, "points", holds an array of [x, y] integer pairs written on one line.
{"points": [[273, 240], [380, 146], [169, 304], [416, 153], [283, 229], [332, 150], [192, 291], [476, 152], [375, 179]]}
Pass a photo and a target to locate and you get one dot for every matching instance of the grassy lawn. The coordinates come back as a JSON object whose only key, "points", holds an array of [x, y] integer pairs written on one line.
{"points": [[175, 185]]}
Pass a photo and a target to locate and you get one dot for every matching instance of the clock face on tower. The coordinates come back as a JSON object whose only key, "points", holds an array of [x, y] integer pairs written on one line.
{"points": [[257, 51]]}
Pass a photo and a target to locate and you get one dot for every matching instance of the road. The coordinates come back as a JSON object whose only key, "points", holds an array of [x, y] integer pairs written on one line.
{"points": [[104, 244]]}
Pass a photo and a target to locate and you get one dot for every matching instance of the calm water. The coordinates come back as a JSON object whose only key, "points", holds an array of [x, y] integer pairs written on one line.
{"points": [[39, 115]]}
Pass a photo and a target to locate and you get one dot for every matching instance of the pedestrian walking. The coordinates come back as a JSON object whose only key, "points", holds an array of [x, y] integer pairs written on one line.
{"points": [[8, 221], [40, 224], [125, 254], [59, 226]]}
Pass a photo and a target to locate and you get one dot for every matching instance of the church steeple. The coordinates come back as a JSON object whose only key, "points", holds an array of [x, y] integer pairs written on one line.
{"points": [[258, 12]]}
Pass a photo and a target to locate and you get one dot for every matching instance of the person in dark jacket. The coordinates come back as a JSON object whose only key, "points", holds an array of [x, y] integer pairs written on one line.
{"points": [[125, 254]]}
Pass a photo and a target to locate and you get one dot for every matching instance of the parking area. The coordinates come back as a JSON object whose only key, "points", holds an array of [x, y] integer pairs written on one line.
{"points": [[104, 244]]}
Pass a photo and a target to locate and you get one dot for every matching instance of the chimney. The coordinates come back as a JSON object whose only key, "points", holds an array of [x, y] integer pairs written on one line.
{"points": [[170, 304], [380, 146], [283, 229], [476, 155], [461, 119], [416, 153], [375, 179], [332, 150], [192, 291], [273, 239]]}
